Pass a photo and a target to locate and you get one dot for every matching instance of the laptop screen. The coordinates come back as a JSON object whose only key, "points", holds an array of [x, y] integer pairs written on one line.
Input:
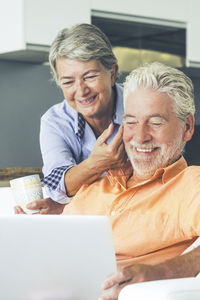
{"points": [[54, 253]]}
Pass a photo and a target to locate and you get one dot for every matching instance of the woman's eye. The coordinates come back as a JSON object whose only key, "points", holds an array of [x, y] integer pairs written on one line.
{"points": [[67, 82]]}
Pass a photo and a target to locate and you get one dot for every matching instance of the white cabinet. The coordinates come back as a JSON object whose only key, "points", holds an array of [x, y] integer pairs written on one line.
{"points": [[28, 27]]}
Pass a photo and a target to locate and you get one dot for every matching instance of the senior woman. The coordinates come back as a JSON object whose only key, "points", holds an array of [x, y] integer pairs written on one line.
{"points": [[81, 137]]}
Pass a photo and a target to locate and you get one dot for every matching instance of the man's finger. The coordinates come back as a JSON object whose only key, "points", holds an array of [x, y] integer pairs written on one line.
{"points": [[112, 293], [113, 280]]}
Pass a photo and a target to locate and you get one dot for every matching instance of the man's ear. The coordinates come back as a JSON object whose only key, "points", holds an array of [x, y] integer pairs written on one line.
{"points": [[189, 127], [114, 72]]}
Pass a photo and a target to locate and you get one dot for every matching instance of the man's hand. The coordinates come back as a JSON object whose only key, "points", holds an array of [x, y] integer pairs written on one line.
{"points": [[187, 265], [46, 206], [131, 274], [109, 156]]}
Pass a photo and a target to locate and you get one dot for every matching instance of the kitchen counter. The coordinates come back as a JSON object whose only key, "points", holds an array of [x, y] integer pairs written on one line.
{"points": [[6, 174]]}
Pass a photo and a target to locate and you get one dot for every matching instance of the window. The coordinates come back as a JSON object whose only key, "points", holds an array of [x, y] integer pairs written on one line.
{"points": [[137, 40]]}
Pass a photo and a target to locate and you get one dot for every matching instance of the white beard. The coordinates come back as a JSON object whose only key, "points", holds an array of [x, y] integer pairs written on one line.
{"points": [[144, 166]]}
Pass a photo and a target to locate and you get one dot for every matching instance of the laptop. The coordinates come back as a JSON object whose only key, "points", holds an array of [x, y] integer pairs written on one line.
{"points": [[54, 255]]}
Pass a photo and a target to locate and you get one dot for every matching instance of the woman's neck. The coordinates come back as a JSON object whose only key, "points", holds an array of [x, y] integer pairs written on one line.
{"points": [[100, 123], [98, 126]]}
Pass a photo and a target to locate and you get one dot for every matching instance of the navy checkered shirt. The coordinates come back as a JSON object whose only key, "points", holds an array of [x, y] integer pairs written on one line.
{"points": [[53, 179]]}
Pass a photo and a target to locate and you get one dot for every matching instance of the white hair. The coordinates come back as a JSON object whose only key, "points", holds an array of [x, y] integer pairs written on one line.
{"points": [[163, 79], [83, 42]]}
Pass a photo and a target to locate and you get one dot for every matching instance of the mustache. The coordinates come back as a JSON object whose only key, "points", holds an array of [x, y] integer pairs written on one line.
{"points": [[144, 145]]}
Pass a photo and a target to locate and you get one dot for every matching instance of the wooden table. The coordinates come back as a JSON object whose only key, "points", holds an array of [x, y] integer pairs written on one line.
{"points": [[6, 174]]}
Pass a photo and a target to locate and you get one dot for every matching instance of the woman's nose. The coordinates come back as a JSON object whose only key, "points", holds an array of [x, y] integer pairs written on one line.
{"points": [[82, 89]]}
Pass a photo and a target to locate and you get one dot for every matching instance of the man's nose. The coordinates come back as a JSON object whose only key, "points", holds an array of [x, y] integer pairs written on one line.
{"points": [[142, 134], [82, 89]]}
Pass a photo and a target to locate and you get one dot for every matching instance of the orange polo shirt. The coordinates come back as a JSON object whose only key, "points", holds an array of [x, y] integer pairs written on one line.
{"points": [[152, 220]]}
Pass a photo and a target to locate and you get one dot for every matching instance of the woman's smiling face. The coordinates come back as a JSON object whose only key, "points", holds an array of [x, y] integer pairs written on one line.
{"points": [[87, 86]]}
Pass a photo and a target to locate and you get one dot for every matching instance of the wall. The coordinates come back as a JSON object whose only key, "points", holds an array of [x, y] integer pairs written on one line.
{"points": [[25, 94], [153, 9], [192, 147]]}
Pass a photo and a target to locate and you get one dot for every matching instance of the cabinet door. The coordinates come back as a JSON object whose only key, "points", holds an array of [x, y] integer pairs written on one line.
{"points": [[37, 22], [44, 18]]}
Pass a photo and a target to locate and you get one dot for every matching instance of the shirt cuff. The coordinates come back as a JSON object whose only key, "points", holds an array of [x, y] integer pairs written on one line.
{"points": [[53, 179], [57, 196], [58, 193]]}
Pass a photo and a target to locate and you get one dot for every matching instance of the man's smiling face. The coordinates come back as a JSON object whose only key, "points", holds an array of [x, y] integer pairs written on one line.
{"points": [[153, 135]]}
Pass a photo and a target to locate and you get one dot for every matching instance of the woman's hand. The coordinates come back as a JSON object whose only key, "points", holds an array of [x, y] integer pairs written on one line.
{"points": [[45, 206], [102, 158], [109, 156]]}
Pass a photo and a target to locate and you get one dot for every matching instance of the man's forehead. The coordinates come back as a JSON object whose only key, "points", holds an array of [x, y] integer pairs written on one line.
{"points": [[147, 93], [151, 116], [148, 102]]}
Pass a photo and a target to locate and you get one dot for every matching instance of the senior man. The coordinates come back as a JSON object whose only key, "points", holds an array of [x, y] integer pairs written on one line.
{"points": [[154, 200]]}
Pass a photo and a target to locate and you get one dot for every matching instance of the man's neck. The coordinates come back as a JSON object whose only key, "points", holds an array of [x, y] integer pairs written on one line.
{"points": [[135, 178]]}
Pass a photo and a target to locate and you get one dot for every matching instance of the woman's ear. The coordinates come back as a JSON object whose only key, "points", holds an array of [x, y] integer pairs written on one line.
{"points": [[114, 72], [189, 127]]}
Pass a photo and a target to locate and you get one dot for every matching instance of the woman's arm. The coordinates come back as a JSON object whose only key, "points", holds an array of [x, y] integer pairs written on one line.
{"points": [[102, 158]]}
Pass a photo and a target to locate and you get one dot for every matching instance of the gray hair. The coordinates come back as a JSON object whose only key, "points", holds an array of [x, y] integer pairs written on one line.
{"points": [[83, 42], [162, 78]]}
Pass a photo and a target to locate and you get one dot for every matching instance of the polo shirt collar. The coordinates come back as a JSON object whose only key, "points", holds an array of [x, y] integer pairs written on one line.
{"points": [[169, 172], [123, 174], [174, 169]]}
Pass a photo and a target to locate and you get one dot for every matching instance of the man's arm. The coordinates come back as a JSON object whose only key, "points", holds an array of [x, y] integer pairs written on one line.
{"points": [[187, 265]]}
